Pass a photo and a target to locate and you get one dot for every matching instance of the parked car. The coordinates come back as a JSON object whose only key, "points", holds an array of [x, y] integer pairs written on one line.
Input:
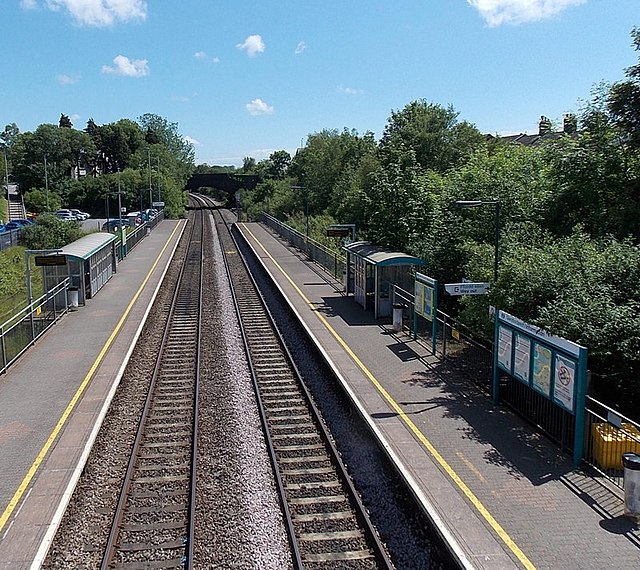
{"points": [[114, 224], [66, 215], [13, 225], [81, 216]]}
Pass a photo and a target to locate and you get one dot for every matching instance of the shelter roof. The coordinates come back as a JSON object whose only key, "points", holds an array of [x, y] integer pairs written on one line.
{"points": [[381, 256], [87, 245]]}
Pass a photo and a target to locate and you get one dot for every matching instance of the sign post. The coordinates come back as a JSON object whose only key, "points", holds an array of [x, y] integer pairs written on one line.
{"points": [[467, 288]]}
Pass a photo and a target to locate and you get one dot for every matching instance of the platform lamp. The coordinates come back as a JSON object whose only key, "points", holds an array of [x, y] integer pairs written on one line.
{"points": [[495, 202]]}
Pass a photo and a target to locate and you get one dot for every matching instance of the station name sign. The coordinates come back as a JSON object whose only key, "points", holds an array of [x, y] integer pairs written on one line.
{"points": [[339, 230], [466, 288], [48, 260]]}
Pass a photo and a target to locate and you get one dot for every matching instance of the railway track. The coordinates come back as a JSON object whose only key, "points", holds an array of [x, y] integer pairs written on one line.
{"points": [[327, 523], [153, 523]]}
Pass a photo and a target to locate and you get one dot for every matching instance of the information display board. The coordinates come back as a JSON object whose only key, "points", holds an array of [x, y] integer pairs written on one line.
{"points": [[546, 363], [552, 366], [426, 304]]}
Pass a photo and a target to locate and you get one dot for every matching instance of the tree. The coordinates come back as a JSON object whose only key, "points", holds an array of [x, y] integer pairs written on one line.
{"points": [[51, 233], [65, 122], [433, 133], [321, 163], [277, 165], [37, 201], [624, 99], [60, 148]]}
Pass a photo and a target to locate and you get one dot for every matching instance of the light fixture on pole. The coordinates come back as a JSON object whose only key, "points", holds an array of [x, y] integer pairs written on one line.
{"points": [[495, 202]]}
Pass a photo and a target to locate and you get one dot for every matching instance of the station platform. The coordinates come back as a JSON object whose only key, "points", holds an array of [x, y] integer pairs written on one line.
{"points": [[52, 400], [502, 495]]}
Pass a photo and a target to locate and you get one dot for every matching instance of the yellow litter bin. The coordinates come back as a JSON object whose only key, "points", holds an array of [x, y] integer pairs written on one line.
{"points": [[609, 443]]}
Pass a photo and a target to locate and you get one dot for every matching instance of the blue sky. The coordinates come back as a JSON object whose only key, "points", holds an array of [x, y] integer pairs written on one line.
{"points": [[246, 78]]}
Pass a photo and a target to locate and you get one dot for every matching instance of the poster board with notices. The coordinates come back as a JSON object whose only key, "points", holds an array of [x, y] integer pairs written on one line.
{"points": [[552, 366]]}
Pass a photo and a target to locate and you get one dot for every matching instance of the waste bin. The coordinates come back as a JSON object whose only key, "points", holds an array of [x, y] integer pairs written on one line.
{"points": [[631, 464], [398, 309], [72, 296]]}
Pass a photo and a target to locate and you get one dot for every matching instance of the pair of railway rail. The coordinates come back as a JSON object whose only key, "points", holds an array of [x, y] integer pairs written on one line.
{"points": [[326, 523]]}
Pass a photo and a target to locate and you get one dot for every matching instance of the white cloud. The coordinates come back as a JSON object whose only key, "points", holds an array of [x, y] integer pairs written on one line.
{"points": [[350, 90], [259, 107], [29, 4], [65, 79], [98, 13], [300, 47], [203, 56], [192, 141], [253, 45], [127, 67], [498, 12]]}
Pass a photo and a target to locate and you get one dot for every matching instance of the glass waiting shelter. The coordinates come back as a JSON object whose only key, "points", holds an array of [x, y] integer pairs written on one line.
{"points": [[91, 261], [372, 270]]}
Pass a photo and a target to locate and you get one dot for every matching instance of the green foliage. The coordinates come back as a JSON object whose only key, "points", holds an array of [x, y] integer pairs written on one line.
{"points": [[39, 201], [433, 133], [50, 232], [624, 99]]}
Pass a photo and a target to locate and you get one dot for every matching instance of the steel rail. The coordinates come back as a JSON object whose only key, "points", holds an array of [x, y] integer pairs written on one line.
{"points": [[295, 523], [112, 543]]}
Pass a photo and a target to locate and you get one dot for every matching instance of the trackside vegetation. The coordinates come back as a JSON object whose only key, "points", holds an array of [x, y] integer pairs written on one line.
{"points": [[569, 259]]}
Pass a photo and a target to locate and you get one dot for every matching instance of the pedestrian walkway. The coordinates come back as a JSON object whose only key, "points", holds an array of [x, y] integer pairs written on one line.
{"points": [[502, 494], [52, 400]]}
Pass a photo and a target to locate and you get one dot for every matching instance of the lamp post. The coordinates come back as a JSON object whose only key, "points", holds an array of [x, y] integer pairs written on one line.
{"points": [[6, 172], [119, 193], [495, 202], [306, 207], [157, 182]]}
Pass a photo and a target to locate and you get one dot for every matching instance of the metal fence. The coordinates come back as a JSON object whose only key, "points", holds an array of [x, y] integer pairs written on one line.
{"points": [[136, 236], [334, 262], [458, 349], [608, 435], [10, 238], [22, 330]]}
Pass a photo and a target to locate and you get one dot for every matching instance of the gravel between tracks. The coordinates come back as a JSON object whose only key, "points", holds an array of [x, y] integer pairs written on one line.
{"points": [[238, 521]]}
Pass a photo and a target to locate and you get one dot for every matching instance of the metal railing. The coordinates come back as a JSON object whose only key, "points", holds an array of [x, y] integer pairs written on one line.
{"points": [[334, 262], [455, 344], [10, 238], [136, 236], [23, 329], [608, 435]]}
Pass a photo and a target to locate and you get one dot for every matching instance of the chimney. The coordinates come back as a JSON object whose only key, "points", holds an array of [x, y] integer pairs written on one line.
{"points": [[544, 126], [570, 124]]}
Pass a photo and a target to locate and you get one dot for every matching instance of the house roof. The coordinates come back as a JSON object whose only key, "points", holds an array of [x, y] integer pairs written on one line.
{"points": [[380, 256]]}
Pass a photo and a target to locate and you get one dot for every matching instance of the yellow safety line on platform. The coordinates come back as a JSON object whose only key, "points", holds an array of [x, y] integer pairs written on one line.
{"points": [[13, 503], [416, 431]]}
